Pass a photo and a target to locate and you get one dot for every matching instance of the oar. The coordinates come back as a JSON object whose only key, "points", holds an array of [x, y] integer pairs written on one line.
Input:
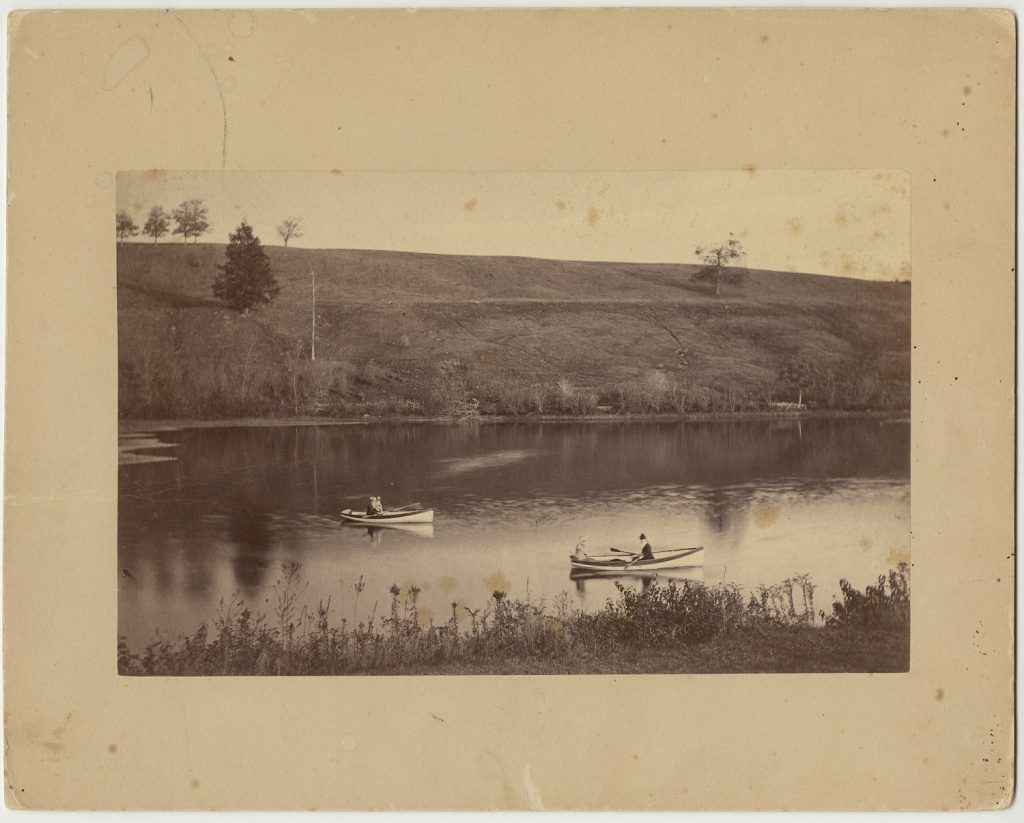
{"points": [[416, 505]]}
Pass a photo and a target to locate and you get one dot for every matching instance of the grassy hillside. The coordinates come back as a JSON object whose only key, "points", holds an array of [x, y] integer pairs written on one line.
{"points": [[406, 333]]}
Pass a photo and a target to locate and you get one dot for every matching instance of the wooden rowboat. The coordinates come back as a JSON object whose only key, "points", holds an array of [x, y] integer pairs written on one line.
{"points": [[617, 563], [388, 517]]}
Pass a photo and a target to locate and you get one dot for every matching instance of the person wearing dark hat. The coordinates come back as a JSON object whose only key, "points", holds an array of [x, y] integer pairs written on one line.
{"points": [[646, 552]]}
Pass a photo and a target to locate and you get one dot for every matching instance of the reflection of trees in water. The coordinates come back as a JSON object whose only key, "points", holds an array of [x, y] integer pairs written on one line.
{"points": [[249, 533], [232, 483], [719, 508]]}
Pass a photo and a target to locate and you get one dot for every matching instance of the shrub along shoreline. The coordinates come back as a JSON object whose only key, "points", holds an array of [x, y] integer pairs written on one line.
{"points": [[662, 628]]}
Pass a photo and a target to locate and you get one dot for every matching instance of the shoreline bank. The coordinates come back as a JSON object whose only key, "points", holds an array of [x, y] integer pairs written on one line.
{"points": [[126, 426]]}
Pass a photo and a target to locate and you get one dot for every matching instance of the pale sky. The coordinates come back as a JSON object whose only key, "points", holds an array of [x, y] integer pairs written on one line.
{"points": [[850, 223]]}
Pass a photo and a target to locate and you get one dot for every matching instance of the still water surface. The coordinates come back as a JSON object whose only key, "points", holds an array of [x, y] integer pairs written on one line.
{"points": [[204, 512]]}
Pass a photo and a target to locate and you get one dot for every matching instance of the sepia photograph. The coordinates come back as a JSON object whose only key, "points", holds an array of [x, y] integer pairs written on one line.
{"points": [[443, 423], [510, 409]]}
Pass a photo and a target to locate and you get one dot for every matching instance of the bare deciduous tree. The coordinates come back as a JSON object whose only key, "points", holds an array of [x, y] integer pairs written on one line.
{"points": [[719, 261], [289, 229]]}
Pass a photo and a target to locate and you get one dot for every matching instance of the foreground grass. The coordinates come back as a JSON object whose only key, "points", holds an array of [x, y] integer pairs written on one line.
{"points": [[665, 628]]}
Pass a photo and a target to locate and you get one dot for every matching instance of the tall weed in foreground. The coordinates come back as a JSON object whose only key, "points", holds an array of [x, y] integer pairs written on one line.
{"points": [[885, 603], [304, 641]]}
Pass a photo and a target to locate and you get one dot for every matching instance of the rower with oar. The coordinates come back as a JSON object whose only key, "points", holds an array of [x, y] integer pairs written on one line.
{"points": [[645, 552]]}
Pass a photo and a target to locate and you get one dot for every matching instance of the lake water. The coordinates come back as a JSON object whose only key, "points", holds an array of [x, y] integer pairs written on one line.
{"points": [[205, 512]]}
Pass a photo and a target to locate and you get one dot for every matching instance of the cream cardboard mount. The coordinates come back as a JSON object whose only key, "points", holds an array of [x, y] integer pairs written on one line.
{"points": [[91, 94]]}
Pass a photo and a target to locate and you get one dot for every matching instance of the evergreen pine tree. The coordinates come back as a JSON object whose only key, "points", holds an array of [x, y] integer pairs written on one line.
{"points": [[245, 279]]}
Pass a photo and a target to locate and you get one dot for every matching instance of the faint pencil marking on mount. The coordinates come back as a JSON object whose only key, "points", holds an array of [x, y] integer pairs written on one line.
{"points": [[128, 57], [220, 90]]}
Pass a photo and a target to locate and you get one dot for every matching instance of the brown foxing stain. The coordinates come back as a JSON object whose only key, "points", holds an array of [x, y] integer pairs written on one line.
{"points": [[424, 615], [897, 555], [750, 168], [795, 226], [790, 267], [336, 171], [194, 782], [497, 582], [155, 174], [866, 543], [764, 515], [112, 748], [945, 132], [560, 205], [593, 217], [842, 219], [967, 91], [939, 694], [877, 235], [764, 38], [879, 210], [847, 266], [470, 204], [482, 357], [447, 583], [946, 206], [409, 584], [137, 207], [714, 115]]}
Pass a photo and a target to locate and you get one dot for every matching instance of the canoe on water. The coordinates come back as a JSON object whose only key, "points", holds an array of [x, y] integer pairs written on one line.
{"points": [[388, 517], [667, 559]]}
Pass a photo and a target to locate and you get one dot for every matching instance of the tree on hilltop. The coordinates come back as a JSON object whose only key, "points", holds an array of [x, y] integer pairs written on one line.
{"points": [[289, 229], [245, 280], [157, 224], [718, 263], [191, 218], [125, 227]]}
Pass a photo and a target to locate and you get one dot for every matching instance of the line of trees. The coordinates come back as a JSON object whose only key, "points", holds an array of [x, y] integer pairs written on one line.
{"points": [[191, 219]]}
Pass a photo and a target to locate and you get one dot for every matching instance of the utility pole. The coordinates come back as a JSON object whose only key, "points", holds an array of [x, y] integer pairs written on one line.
{"points": [[312, 348]]}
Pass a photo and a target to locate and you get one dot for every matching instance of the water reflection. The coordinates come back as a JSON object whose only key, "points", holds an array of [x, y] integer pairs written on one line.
{"points": [[376, 533], [603, 583], [766, 499]]}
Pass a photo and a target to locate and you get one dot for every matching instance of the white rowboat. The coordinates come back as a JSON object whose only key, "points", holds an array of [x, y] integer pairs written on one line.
{"points": [[617, 563], [388, 517]]}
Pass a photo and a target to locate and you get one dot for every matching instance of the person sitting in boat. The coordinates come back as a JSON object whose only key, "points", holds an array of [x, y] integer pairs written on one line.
{"points": [[646, 552], [580, 553], [375, 507]]}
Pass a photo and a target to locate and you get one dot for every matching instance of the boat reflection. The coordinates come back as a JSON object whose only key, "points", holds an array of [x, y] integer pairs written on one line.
{"points": [[605, 580], [375, 533]]}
